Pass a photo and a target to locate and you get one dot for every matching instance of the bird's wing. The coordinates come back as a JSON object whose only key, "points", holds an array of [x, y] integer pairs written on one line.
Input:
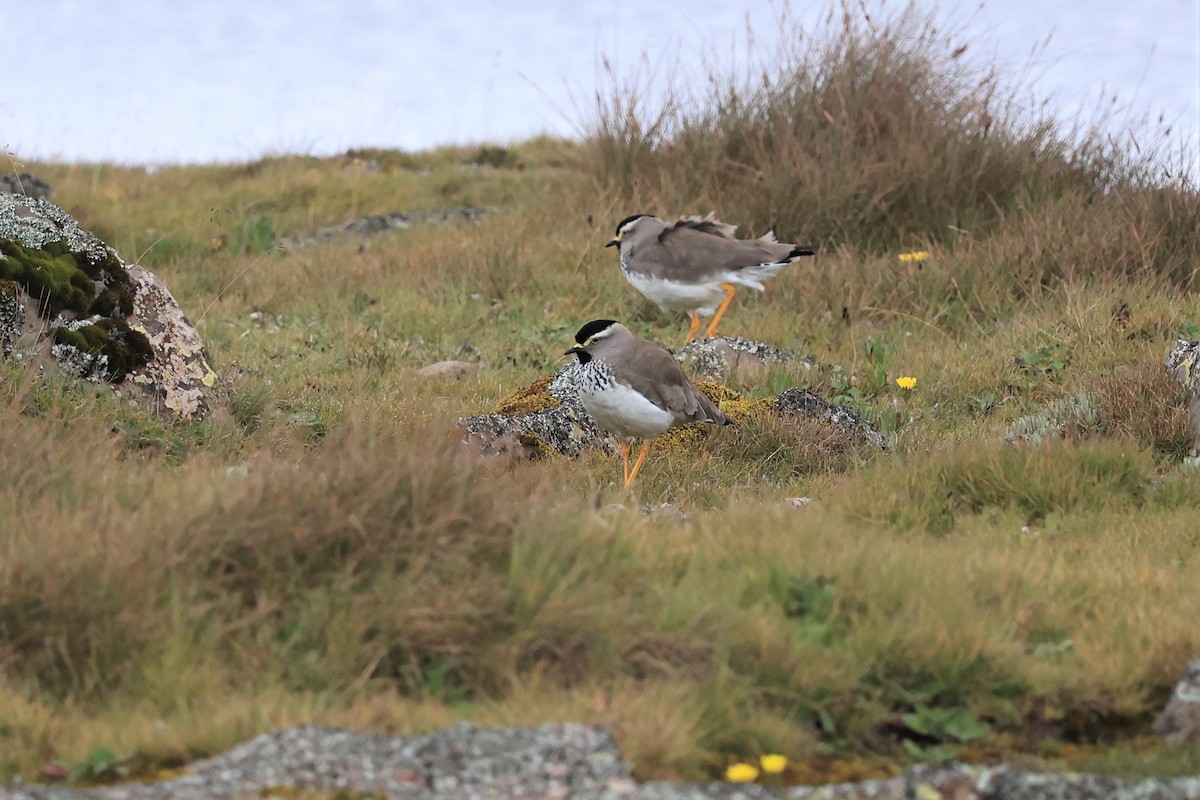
{"points": [[702, 249], [670, 389]]}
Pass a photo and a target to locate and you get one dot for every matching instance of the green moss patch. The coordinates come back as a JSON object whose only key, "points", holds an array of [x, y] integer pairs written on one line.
{"points": [[61, 280], [120, 347], [534, 397]]}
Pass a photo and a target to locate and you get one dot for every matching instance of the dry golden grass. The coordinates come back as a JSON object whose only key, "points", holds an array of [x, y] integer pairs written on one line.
{"points": [[324, 552]]}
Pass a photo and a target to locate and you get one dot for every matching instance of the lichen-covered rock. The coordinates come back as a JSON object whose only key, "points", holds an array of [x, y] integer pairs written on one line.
{"points": [[382, 223], [973, 782], [1183, 363], [178, 380], [803, 403], [546, 418], [68, 299], [12, 315], [719, 358], [1180, 720], [581, 762], [25, 184], [461, 762]]}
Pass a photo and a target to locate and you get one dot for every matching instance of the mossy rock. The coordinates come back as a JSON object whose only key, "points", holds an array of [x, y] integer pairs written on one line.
{"points": [[546, 417], [684, 437], [717, 392], [107, 347], [61, 280], [534, 397], [740, 409]]}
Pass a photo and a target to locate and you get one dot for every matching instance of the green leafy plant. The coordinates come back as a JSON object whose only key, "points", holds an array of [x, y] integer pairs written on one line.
{"points": [[1049, 359], [256, 236], [945, 726], [100, 765], [810, 601], [875, 373], [981, 404]]}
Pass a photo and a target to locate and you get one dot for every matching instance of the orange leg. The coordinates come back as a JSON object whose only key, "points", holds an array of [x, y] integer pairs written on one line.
{"points": [[637, 465], [695, 327], [625, 459], [730, 291]]}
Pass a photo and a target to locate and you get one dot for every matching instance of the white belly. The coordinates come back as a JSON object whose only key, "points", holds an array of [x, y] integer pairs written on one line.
{"points": [[676, 296], [623, 412], [680, 296]]}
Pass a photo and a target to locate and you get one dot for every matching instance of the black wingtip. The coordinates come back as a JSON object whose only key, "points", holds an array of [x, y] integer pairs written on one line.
{"points": [[802, 250], [592, 328]]}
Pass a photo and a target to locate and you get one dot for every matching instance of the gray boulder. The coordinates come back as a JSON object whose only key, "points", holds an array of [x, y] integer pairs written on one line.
{"points": [[803, 403], [25, 184], [68, 301]]}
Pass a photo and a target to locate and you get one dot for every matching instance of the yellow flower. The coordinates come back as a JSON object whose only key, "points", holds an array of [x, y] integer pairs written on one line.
{"points": [[773, 763], [916, 255], [741, 773], [906, 382]]}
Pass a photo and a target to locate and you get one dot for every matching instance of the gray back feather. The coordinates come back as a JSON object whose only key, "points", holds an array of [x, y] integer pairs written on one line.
{"points": [[695, 248]]}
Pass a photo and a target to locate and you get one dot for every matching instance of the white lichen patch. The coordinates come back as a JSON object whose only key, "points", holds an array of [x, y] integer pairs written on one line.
{"points": [[80, 363], [36, 223], [12, 317]]}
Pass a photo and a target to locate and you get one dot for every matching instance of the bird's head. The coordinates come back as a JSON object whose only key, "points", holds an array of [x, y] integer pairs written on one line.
{"points": [[625, 227], [595, 331]]}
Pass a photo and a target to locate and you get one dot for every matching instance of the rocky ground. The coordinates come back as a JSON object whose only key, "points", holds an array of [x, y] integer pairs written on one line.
{"points": [[552, 761]]}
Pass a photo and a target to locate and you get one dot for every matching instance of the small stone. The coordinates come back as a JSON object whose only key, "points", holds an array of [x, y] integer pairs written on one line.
{"points": [[448, 369], [799, 502], [53, 772]]}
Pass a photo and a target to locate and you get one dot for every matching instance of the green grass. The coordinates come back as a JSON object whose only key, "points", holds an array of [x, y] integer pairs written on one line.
{"points": [[323, 550]]}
